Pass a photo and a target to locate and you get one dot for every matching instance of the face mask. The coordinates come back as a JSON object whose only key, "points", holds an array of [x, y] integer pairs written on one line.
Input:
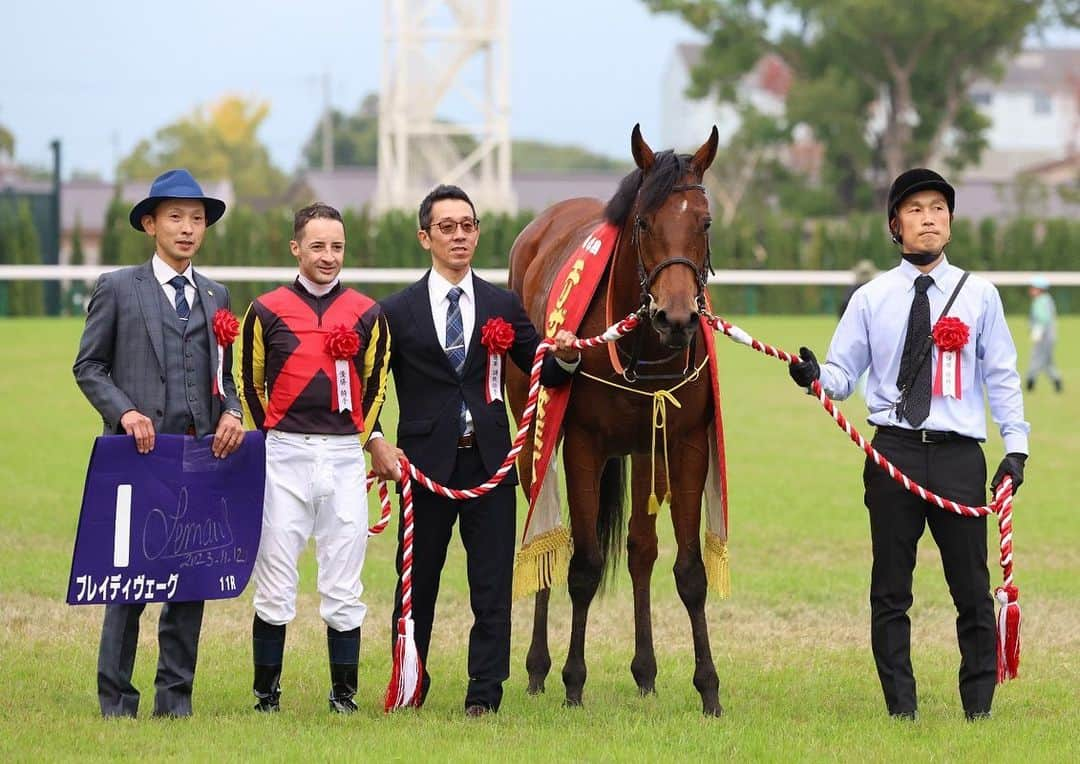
{"points": [[922, 258]]}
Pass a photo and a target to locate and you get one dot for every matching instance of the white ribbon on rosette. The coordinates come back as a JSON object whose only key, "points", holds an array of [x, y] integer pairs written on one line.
{"points": [[950, 335], [342, 343], [497, 336], [226, 328]]}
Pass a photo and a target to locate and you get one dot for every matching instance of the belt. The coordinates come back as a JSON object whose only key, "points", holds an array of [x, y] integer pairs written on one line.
{"points": [[923, 436], [467, 441]]}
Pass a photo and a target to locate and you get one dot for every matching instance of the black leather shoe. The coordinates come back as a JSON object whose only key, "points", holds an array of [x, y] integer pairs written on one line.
{"points": [[905, 716], [267, 706], [475, 710], [976, 716], [342, 706]]}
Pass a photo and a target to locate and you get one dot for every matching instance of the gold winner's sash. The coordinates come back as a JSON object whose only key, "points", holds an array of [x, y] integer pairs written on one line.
{"points": [[546, 545]]}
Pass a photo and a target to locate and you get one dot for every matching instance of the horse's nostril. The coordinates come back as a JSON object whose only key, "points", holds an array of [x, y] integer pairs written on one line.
{"points": [[661, 316], [693, 317]]}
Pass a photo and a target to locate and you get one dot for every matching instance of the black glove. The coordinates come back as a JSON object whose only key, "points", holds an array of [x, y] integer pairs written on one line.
{"points": [[804, 372], [1013, 466]]}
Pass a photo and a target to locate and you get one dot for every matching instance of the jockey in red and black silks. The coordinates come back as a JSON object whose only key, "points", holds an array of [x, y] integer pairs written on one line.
{"points": [[290, 371]]}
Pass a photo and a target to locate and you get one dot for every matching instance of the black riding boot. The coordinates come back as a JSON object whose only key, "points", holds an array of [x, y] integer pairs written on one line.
{"points": [[344, 649], [267, 647]]}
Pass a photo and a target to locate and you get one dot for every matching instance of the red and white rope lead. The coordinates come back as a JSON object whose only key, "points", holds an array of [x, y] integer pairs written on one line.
{"points": [[1006, 594]]}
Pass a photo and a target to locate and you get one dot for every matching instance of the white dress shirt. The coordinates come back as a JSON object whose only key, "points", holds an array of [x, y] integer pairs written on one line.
{"points": [[438, 288], [318, 290], [871, 336], [164, 272]]}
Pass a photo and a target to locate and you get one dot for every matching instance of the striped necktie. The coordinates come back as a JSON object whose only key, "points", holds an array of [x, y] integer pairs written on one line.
{"points": [[455, 343], [183, 310]]}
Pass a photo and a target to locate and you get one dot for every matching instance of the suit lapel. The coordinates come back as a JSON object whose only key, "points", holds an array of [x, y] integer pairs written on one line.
{"points": [[481, 315], [419, 303], [148, 292], [209, 305]]}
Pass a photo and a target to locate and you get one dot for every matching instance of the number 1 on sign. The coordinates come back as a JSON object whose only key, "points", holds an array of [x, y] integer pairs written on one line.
{"points": [[227, 583]]}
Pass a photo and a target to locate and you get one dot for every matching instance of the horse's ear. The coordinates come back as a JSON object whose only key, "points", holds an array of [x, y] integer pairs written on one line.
{"points": [[706, 154], [643, 155]]}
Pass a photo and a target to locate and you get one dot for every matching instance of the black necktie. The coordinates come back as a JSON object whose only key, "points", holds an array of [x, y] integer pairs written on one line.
{"points": [[915, 400], [183, 310]]}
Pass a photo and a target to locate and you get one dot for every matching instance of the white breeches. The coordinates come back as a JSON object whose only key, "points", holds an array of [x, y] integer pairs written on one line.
{"points": [[314, 487]]}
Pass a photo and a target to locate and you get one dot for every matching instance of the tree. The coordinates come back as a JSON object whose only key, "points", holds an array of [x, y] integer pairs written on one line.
{"points": [[355, 137], [883, 85], [76, 293], [355, 143], [7, 142], [216, 143]]}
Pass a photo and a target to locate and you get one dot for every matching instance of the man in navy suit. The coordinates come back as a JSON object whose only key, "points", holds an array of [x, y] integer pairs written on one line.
{"points": [[450, 430]]}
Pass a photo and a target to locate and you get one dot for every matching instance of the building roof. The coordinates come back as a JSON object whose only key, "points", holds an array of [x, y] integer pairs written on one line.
{"points": [[88, 200], [770, 74], [1048, 70]]}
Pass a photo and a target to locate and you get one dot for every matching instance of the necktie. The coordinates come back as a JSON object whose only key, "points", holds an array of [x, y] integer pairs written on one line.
{"points": [[455, 343], [183, 310], [915, 401]]}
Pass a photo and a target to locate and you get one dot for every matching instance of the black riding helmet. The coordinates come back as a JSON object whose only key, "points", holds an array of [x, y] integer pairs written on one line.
{"points": [[917, 179]]}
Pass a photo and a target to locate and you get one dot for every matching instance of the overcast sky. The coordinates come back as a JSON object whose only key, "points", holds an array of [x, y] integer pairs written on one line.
{"points": [[101, 75]]}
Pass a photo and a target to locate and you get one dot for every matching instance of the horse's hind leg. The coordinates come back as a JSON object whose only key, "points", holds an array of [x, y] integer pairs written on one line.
{"points": [[538, 661], [641, 556], [688, 483]]}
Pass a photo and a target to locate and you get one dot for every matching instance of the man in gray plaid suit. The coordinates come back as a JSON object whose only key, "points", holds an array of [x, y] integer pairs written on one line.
{"points": [[146, 361]]}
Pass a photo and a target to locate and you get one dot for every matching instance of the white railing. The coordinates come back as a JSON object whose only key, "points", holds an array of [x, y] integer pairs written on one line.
{"points": [[497, 275]]}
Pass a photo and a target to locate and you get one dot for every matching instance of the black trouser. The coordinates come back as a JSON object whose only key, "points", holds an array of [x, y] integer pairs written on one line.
{"points": [[178, 648], [488, 534], [953, 469]]}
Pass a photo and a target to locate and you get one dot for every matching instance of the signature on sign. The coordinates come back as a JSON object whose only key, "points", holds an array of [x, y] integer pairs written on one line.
{"points": [[168, 535]]}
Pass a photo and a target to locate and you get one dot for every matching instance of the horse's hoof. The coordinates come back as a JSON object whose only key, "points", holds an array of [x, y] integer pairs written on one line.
{"points": [[572, 703], [536, 687], [712, 709]]}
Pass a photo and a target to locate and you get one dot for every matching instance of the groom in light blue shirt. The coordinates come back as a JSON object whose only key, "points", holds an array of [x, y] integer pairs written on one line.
{"points": [[925, 396]]}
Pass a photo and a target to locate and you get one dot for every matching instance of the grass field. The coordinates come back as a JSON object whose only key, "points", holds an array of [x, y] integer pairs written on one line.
{"points": [[791, 645]]}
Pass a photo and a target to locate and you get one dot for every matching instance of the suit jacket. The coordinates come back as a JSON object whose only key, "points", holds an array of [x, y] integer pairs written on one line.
{"points": [[121, 360], [429, 391]]}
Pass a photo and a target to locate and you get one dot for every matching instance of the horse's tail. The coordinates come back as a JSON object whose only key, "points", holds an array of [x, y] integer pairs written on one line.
{"points": [[609, 518]]}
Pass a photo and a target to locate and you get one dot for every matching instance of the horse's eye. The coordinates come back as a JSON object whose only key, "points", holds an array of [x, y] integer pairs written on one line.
{"points": [[708, 223], [643, 224]]}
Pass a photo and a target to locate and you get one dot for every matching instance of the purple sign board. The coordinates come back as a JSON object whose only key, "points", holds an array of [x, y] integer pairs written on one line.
{"points": [[176, 524]]}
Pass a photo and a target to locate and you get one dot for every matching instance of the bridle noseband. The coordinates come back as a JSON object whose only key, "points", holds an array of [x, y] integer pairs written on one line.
{"points": [[646, 278], [645, 282]]}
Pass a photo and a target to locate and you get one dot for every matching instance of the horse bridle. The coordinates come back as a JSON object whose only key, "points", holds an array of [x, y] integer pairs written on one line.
{"points": [[646, 278], [645, 281]]}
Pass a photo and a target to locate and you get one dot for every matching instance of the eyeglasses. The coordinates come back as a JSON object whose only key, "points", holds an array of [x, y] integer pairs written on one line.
{"points": [[448, 227]]}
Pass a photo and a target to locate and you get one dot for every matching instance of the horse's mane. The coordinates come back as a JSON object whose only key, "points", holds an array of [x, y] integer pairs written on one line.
{"points": [[668, 167]]}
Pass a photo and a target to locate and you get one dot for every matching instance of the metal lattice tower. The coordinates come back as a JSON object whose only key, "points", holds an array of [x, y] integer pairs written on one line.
{"points": [[435, 50]]}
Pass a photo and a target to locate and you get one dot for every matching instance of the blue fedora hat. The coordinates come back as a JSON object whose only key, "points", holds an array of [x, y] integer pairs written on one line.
{"points": [[175, 184]]}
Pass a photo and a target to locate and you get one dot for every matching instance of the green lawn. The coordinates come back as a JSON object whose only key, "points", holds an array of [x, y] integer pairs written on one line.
{"points": [[791, 645]]}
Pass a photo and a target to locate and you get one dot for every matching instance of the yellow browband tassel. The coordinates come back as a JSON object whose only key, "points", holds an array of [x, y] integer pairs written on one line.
{"points": [[654, 504]]}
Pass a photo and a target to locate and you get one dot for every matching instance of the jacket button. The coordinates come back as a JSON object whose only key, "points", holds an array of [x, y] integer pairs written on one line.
{"points": [[163, 380], [160, 412]]}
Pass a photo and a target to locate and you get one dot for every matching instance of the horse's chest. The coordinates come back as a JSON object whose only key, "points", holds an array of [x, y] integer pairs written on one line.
{"points": [[624, 421]]}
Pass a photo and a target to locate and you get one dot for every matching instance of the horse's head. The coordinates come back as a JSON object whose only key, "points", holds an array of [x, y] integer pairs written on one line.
{"points": [[671, 236]]}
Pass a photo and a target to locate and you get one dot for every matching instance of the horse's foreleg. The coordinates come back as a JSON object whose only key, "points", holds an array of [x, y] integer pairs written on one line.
{"points": [[583, 467], [688, 481], [538, 661], [641, 556]]}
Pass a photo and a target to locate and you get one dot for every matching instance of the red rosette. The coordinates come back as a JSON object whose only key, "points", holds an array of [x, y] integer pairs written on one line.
{"points": [[951, 334], [226, 327], [342, 342], [497, 335]]}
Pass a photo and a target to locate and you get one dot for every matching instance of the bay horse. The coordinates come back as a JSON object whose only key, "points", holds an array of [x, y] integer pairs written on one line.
{"points": [[660, 266]]}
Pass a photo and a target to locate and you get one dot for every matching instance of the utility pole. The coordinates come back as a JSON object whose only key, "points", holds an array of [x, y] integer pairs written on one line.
{"points": [[327, 126]]}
